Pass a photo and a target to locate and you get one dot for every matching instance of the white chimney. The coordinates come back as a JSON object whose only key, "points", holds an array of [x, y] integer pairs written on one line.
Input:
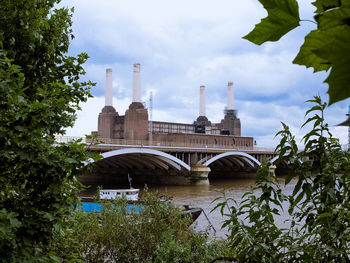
{"points": [[136, 89], [230, 96], [202, 101], [109, 88]]}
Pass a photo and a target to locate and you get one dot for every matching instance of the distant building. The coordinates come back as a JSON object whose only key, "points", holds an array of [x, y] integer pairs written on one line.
{"points": [[136, 126]]}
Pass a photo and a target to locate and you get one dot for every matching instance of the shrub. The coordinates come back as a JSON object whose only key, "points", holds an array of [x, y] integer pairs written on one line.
{"points": [[159, 233], [319, 206]]}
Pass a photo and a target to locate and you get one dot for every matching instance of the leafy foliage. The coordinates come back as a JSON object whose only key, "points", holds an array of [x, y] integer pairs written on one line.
{"points": [[160, 233], [260, 240], [283, 16], [318, 206], [39, 94], [320, 200], [327, 47]]}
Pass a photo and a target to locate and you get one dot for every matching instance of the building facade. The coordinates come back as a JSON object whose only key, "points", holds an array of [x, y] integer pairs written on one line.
{"points": [[135, 125]]}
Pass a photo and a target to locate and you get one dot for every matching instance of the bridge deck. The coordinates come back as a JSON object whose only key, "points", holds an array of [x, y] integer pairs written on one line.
{"points": [[104, 145], [111, 147]]}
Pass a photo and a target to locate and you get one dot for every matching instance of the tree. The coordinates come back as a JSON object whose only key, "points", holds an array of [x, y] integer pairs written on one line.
{"points": [[327, 47], [39, 94]]}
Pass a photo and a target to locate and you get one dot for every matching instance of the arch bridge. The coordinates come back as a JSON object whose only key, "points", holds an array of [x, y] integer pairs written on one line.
{"points": [[173, 165]]}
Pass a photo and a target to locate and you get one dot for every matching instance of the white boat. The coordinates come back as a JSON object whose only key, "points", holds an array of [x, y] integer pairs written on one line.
{"points": [[89, 204], [128, 194]]}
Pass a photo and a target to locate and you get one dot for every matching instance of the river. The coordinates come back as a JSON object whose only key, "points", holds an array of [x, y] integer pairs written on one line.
{"points": [[203, 196]]}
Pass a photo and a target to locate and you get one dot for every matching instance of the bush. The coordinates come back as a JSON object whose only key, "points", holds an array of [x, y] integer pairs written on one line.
{"points": [[159, 233]]}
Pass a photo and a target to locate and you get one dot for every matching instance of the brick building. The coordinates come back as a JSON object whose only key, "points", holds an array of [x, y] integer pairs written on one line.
{"points": [[136, 126]]}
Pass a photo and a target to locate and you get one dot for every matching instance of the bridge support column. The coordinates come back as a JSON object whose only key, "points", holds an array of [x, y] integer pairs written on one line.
{"points": [[199, 174]]}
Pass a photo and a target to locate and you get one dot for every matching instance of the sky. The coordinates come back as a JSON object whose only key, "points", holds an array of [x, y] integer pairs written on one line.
{"points": [[184, 44]]}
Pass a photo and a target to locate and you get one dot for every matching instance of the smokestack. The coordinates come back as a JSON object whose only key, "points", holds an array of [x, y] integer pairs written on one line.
{"points": [[136, 89], [202, 101], [109, 88], [230, 96]]}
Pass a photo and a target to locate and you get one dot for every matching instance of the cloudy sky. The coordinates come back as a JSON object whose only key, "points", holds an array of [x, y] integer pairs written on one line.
{"points": [[184, 44]]}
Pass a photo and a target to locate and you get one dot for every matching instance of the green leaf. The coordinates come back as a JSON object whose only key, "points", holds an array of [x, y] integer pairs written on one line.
{"points": [[339, 84], [289, 177], [315, 108], [325, 215], [316, 117], [317, 122], [297, 187], [306, 55], [283, 16], [324, 5], [329, 47], [298, 198], [338, 53], [316, 100], [333, 18]]}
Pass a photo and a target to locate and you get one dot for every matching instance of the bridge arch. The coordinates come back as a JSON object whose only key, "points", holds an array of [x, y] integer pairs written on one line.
{"points": [[284, 163], [274, 159], [241, 156], [157, 158]]}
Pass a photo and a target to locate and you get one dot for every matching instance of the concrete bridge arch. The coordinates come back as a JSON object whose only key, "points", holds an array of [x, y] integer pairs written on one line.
{"points": [[282, 165], [231, 165], [274, 159], [144, 165], [157, 158], [239, 158]]}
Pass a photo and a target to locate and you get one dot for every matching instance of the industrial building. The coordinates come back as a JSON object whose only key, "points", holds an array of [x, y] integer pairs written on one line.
{"points": [[135, 124]]}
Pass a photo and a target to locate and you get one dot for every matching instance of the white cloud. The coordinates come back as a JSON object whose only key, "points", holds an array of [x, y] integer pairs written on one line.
{"points": [[87, 118]]}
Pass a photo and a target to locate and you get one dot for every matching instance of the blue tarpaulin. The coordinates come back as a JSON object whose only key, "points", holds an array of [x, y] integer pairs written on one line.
{"points": [[96, 207]]}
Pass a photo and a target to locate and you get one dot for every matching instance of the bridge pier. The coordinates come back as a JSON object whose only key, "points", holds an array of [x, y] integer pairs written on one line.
{"points": [[199, 174]]}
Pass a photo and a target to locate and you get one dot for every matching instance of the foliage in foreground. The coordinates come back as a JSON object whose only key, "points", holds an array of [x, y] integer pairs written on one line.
{"points": [[160, 233], [39, 94], [326, 47], [319, 206]]}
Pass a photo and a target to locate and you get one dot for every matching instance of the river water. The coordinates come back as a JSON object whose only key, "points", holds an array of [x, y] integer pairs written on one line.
{"points": [[203, 196]]}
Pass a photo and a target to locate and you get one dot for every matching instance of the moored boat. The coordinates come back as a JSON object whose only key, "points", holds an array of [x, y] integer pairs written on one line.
{"points": [[90, 204], [194, 212], [129, 194]]}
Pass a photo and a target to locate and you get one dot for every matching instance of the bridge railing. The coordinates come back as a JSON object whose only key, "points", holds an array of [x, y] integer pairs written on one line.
{"points": [[158, 143], [165, 144]]}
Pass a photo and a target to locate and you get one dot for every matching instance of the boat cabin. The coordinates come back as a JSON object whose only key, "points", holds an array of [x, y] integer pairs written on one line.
{"points": [[129, 194]]}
